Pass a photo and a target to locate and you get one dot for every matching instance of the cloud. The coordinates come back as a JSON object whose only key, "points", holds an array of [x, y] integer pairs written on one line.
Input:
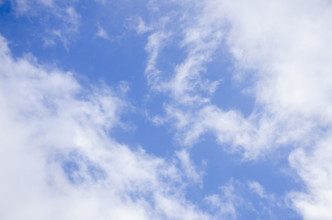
{"points": [[280, 53], [23, 6], [204, 31], [314, 167], [287, 44], [102, 33], [138, 24], [238, 200], [57, 160], [68, 25], [186, 82], [59, 22], [225, 203], [153, 47], [283, 50]]}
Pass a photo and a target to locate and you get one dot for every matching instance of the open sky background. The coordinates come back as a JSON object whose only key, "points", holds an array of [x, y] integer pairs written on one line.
{"points": [[151, 109]]}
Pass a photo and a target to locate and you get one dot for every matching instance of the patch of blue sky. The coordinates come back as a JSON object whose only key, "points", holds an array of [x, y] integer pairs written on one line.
{"points": [[87, 54], [120, 58], [141, 132], [72, 171], [78, 169], [255, 206], [231, 93], [220, 167]]}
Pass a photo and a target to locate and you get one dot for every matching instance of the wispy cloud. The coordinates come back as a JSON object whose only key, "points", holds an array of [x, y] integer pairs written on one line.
{"points": [[101, 32], [64, 19], [235, 198], [284, 48], [24, 6]]}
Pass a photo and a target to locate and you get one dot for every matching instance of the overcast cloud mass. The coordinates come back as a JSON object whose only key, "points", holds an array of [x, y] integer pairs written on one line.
{"points": [[208, 109]]}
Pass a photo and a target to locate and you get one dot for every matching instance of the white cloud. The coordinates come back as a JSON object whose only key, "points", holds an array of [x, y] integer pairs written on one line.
{"points": [[285, 48], [139, 25], [288, 45], [65, 19], [153, 47], [238, 200], [102, 33], [224, 203], [57, 160], [203, 33], [69, 22], [23, 6], [315, 168], [259, 190], [188, 167], [200, 39]]}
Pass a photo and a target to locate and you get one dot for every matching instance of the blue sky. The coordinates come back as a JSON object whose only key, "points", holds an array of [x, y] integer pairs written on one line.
{"points": [[165, 109]]}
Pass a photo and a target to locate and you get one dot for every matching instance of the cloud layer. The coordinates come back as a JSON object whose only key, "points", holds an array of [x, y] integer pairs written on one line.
{"points": [[59, 160]]}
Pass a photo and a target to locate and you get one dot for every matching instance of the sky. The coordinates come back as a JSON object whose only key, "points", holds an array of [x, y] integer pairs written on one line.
{"points": [[170, 110]]}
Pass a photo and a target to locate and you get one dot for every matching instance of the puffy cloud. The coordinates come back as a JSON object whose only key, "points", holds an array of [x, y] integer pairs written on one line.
{"points": [[58, 161]]}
